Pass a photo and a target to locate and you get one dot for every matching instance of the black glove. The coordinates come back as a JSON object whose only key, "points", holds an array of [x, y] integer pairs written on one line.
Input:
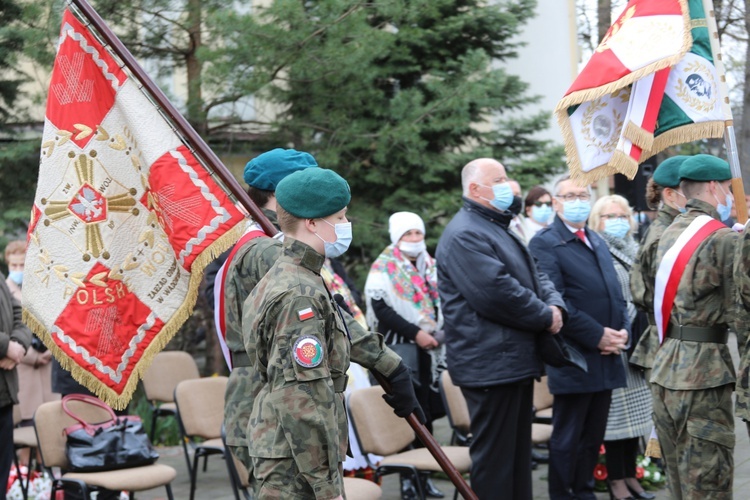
{"points": [[402, 398]]}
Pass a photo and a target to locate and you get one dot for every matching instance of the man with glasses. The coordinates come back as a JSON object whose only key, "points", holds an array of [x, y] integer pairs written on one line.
{"points": [[578, 262]]}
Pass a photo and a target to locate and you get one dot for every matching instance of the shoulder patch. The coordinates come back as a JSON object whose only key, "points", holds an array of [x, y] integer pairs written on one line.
{"points": [[304, 314], [308, 352]]}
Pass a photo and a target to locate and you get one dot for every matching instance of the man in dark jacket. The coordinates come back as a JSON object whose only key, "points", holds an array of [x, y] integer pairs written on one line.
{"points": [[495, 304], [580, 266], [14, 340]]}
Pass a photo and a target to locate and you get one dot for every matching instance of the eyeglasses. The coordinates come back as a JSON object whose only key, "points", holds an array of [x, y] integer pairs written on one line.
{"points": [[573, 197], [614, 216], [542, 203]]}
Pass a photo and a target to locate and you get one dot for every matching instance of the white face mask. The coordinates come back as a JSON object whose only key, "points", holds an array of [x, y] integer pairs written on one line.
{"points": [[412, 248]]}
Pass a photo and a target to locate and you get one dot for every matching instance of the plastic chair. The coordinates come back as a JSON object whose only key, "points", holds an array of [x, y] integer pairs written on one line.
{"points": [[238, 474], [200, 413], [23, 437], [542, 402], [456, 410], [380, 432], [361, 489], [49, 423], [168, 369]]}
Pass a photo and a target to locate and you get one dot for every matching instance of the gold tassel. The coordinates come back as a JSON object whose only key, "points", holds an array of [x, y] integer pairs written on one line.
{"points": [[653, 449]]}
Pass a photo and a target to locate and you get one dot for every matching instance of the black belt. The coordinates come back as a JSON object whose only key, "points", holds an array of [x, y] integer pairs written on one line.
{"points": [[716, 334], [239, 358]]}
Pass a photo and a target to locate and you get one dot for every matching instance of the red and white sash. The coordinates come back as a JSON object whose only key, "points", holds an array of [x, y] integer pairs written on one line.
{"points": [[673, 265], [253, 231]]}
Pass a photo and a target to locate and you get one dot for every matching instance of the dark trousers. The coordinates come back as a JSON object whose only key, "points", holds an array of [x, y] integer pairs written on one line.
{"points": [[621, 457], [6, 449], [501, 446], [578, 425]]}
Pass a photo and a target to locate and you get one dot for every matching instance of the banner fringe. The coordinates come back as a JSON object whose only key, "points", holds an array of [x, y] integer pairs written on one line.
{"points": [[88, 380], [683, 134], [638, 135]]}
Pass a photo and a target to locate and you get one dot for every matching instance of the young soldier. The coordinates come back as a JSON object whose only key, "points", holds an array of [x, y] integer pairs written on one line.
{"points": [[296, 339]]}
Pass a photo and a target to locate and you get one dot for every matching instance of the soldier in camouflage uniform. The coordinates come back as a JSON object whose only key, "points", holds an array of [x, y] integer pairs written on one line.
{"points": [[742, 279], [248, 265], [693, 369], [663, 190], [299, 345]]}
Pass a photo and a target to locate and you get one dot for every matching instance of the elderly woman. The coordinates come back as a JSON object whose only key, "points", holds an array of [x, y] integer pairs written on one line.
{"points": [[402, 304], [539, 213], [630, 410]]}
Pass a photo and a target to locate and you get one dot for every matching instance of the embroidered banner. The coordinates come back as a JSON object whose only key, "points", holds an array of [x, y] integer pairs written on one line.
{"points": [[124, 221], [648, 86]]}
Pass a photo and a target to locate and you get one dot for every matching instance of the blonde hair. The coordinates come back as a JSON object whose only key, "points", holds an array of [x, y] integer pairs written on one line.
{"points": [[15, 247], [596, 212]]}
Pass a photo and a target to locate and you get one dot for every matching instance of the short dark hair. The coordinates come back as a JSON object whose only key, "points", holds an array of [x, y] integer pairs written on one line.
{"points": [[534, 194], [691, 189], [287, 222], [259, 196]]}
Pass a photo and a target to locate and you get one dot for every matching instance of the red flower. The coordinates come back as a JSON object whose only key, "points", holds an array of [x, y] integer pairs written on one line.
{"points": [[602, 451], [391, 267], [639, 472], [600, 472], [418, 297]]}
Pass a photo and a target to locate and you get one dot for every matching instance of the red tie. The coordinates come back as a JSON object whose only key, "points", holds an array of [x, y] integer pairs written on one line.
{"points": [[581, 235]]}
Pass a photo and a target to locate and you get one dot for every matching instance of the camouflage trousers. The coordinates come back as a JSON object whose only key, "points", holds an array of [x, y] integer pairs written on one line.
{"points": [[280, 479], [696, 434]]}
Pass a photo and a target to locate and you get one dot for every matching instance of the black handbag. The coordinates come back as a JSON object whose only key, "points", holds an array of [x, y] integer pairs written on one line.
{"points": [[117, 443], [555, 351], [409, 356]]}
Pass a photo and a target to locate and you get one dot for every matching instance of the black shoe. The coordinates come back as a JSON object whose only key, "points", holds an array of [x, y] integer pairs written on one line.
{"points": [[644, 495], [408, 489], [431, 490]]}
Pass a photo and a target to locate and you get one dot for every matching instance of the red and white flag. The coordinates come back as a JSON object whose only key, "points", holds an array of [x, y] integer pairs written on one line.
{"points": [[124, 221], [609, 114]]}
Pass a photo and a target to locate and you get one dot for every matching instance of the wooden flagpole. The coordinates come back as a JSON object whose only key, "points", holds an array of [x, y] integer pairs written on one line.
{"points": [[231, 183], [180, 123], [730, 140]]}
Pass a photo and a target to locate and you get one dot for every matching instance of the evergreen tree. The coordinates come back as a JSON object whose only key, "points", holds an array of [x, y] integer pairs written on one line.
{"points": [[396, 96]]}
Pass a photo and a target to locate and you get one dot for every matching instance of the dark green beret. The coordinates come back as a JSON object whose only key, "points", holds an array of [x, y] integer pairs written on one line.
{"points": [[667, 174], [266, 171], [704, 168], [313, 193]]}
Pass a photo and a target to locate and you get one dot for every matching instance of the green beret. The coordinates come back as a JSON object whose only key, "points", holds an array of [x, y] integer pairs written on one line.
{"points": [[704, 168], [313, 193], [667, 174], [266, 171]]}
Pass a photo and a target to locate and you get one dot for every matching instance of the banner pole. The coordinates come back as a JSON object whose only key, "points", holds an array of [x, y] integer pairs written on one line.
{"points": [[179, 121], [730, 140]]}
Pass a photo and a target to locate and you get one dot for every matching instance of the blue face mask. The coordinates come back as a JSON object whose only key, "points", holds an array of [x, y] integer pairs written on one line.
{"points": [[576, 211], [725, 209], [616, 227], [16, 277], [541, 215], [503, 196], [343, 239]]}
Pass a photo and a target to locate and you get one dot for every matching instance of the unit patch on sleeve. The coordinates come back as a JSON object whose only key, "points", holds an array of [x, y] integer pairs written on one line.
{"points": [[307, 351]]}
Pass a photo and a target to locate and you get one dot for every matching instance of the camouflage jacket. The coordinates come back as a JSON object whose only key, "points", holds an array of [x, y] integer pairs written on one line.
{"points": [[642, 279], [706, 296], [298, 344], [742, 281]]}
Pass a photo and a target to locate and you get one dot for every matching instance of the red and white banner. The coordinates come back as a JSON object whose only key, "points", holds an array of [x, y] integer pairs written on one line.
{"points": [[124, 221], [672, 267]]}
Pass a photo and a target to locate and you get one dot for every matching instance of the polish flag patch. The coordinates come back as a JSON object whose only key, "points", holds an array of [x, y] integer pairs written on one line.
{"points": [[305, 314]]}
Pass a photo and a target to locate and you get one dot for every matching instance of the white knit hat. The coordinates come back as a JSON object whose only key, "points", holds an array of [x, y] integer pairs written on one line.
{"points": [[401, 222]]}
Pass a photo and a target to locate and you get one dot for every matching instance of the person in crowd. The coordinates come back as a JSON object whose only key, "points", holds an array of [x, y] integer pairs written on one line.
{"points": [[630, 410], [15, 339], [662, 193], [251, 258], [538, 207], [402, 304], [35, 370], [579, 264], [495, 303], [297, 339], [518, 222], [693, 369]]}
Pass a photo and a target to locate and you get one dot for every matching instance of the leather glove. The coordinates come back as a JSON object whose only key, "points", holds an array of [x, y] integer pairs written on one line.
{"points": [[402, 398]]}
